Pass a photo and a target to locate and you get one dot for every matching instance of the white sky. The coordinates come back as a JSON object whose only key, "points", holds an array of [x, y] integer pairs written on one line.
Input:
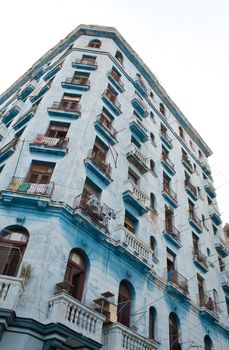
{"points": [[184, 42]]}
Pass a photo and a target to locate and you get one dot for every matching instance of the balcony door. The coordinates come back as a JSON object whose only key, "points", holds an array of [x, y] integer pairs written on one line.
{"points": [[80, 79], [173, 333], [57, 130], [40, 173], [111, 94], [168, 219], [69, 102], [200, 282], [124, 304], [99, 151]]}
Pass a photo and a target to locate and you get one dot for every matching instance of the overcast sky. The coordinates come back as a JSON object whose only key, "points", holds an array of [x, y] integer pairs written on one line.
{"points": [[184, 42]]}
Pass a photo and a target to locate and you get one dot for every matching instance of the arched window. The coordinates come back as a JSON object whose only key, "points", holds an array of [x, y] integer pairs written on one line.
{"points": [[119, 56], [124, 304], [162, 109], [181, 132], [152, 201], [151, 94], [153, 245], [152, 166], [75, 273], [13, 242], [152, 322], [152, 116], [173, 332], [200, 154], [95, 43], [207, 343], [215, 297], [152, 138]]}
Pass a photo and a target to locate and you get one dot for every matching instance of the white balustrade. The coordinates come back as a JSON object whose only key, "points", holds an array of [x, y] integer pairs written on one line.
{"points": [[136, 151], [137, 193], [119, 337], [11, 289], [65, 309]]}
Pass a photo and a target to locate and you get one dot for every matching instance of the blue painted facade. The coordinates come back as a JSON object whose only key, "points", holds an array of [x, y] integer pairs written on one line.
{"points": [[34, 314]]}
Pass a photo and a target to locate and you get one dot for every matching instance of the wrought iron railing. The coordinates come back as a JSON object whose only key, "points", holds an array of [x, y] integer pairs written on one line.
{"points": [[80, 81], [194, 217], [190, 186], [166, 159], [140, 125], [169, 191], [85, 61], [103, 120], [187, 161], [143, 105], [206, 301], [172, 230], [67, 105], [43, 140], [96, 158], [177, 279], [166, 136], [112, 98], [91, 205], [21, 184], [116, 78], [200, 257]]}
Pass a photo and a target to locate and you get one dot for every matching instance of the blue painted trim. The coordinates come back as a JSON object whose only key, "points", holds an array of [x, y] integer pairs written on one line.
{"points": [[97, 171], [197, 227], [111, 105], [105, 133], [23, 120], [200, 265], [138, 131], [48, 149], [169, 199], [215, 219], [84, 66], [172, 239], [7, 154], [63, 113], [7, 119], [132, 201]]}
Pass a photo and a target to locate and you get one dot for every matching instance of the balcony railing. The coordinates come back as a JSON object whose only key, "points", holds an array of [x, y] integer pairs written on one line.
{"points": [[207, 302], [11, 289], [138, 158], [190, 187], [80, 81], [220, 246], [116, 78], [86, 62], [172, 230], [166, 136], [11, 144], [66, 310], [177, 279], [66, 105], [126, 339], [201, 258], [22, 185], [96, 158], [134, 196], [103, 120], [99, 212], [169, 191], [194, 217], [187, 162], [112, 99], [43, 140], [166, 159]]}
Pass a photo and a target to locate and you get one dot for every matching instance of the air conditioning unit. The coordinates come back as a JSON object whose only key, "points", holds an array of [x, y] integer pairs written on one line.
{"points": [[105, 306]]}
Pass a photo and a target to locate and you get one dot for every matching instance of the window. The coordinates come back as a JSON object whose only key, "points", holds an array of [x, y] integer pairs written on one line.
{"points": [[171, 258], [111, 94], [227, 304], [208, 252], [173, 332], [168, 219], [95, 43], [133, 177], [130, 222], [207, 343], [40, 172], [152, 201], [135, 142], [152, 322], [195, 241], [152, 116], [99, 150], [152, 166], [115, 74], [221, 264], [124, 304], [119, 56], [80, 79], [70, 102], [153, 245], [203, 221], [13, 242], [200, 282], [199, 191], [151, 94], [162, 109], [152, 138], [57, 130], [88, 60], [181, 132], [200, 154], [215, 229], [166, 183], [75, 273], [209, 200]]}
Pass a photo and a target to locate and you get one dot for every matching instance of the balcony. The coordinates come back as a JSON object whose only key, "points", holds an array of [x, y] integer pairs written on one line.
{"points": [[70, 312], [26, 90], [116, 81], [11, 289], [65, 109], [8, 149], [220, 246], [118, 337], [129, 243], [177, 284], [93, 211], [11, 112], [167, 164], [169, 195], [98, 167], [105, 128], [194, 221], [209, 188], [111, 102], [190, 189], [53, 145], [224, 279], [140, 87], [208, 307], [139, 106], [206, 168], [135, 197], [139, 130], [166, 139], [172, 234], [24, 119], [200, 260], [136, 157], [76, 84], [215, 215], [20, 189], [187, 164], [85, 64], [39, 92]]}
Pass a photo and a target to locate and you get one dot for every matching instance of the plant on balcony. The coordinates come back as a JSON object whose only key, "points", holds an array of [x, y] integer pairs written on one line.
{"points": [[26, 272]]}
